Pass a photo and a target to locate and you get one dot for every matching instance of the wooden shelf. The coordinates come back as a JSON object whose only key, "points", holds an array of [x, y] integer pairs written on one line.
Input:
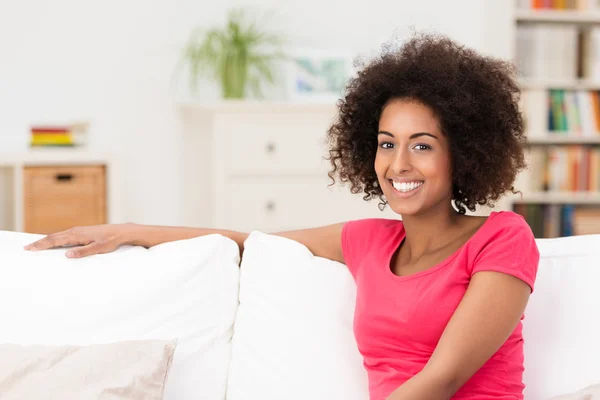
{"points": [[566, 84], [558, 198], [556, 16], [560, 139], [53, 156]]}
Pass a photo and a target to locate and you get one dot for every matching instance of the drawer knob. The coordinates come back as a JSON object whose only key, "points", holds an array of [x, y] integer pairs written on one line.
{"points": [[270, 206], [64, 177], [271, 148]]}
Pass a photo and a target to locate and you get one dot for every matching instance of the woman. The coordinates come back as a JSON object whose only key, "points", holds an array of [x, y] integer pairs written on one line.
{"points": [[430, 129]]}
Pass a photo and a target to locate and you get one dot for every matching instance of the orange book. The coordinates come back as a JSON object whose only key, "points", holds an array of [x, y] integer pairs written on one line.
{"points": [[595, 108], [559, 4], [574, 169], [584, 179], [585, 169], [586, 221], [594, 177], [49, 133]]}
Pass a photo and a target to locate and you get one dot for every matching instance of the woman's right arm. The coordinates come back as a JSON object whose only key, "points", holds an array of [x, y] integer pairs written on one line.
{"points": [[323, 241]]}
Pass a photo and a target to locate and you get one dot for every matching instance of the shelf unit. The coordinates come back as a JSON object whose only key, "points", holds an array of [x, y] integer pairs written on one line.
{"points": [[541, 140], [13, 175], [558, 198], [560, 139], [567, 84], [556, 16]]}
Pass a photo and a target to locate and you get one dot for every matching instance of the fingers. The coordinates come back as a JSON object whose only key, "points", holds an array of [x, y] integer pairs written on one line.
{"points": [[54, 240], [87, 250], [49, 242]]}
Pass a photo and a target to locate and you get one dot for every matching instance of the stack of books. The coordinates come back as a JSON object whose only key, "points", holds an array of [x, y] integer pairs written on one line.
{"points": [[574, 112], [69, 135], [561, 112], [562, 168], [554, 4], [572, 168], [557, 220]]}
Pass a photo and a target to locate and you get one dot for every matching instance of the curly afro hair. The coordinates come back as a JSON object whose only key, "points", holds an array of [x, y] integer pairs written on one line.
{"points": [[475, 98]]}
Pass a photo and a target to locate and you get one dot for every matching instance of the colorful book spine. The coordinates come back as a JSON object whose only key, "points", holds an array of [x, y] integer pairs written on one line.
{"points": [[575, 113], [572, 168], [554, 4], [559, 220], [46, 135]]}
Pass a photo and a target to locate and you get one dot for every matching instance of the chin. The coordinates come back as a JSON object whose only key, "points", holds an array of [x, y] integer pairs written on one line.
{"points": [[405, 209]]}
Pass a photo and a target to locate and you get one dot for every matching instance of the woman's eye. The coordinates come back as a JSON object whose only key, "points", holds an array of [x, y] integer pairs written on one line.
{"points": [[422, 147], [386, 145]]}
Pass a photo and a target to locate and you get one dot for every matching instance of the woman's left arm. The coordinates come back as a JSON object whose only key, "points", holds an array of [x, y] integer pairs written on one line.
{"points": [[486, 316]]}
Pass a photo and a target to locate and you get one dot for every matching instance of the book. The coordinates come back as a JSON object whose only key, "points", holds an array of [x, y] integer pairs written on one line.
{"points": [[559, 220]]}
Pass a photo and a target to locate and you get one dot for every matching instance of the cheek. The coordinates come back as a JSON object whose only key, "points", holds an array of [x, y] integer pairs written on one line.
{"points": [[438, 167], [445, 169], [379, 165]]}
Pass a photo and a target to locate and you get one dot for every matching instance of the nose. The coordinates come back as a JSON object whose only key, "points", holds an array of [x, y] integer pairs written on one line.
{"points": [[401, 163]]}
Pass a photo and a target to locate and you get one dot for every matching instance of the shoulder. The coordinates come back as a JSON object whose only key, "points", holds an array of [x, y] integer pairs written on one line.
{"points": [[374, 224], [361, 235], [503, 226], [369, 228], [506, 244], [508, 219]]}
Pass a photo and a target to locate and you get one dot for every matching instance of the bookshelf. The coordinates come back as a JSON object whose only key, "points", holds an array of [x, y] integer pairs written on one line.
{"points": [[569, 138], [524, 15], [566, 84], [559, 198], [557, 54]]}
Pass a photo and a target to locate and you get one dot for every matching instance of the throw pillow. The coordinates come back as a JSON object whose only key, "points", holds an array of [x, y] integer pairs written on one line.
{"points": [[293, 333], [124, 370]]}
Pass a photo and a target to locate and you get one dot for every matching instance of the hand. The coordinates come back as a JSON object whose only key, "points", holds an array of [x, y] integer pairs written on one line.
{"points": [[89, 240]]}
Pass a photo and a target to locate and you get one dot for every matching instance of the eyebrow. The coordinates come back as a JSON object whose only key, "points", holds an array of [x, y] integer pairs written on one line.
{"points": [[413, 136]]}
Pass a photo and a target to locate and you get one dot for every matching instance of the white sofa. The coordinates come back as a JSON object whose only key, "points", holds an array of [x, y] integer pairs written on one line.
{"points": [[279, 327]]}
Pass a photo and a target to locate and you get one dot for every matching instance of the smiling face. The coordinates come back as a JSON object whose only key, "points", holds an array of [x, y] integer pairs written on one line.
{"points": [[413, 162]]}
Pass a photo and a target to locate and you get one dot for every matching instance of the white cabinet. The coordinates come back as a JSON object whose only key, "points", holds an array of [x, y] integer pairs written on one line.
{"points": [[261, 166]]}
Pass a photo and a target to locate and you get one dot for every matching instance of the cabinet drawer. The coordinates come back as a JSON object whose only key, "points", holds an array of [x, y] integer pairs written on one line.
{"points": [[58, 198], [282, 142], [271, 205]]}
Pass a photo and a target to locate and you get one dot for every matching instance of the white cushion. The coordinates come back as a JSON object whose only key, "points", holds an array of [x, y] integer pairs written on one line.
{"points": [[588, 393], [562, 321], [122, 371], [293, 334], [185, 290]]}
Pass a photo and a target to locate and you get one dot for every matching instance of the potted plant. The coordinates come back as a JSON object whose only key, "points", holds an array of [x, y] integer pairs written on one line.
{"points": [[240, 56]]}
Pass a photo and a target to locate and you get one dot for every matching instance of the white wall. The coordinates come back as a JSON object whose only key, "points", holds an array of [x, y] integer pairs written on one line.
{"points": [[112, 61]]}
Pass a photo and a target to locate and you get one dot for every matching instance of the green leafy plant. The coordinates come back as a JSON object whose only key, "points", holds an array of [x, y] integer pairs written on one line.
{"points": [[240, 56]]}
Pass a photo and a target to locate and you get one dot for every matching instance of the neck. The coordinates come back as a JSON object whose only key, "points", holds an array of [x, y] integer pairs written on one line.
{"points": [[430, 231]]}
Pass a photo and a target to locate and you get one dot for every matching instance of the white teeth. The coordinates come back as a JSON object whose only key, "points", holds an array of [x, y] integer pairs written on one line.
{"points": [[406, 186]]}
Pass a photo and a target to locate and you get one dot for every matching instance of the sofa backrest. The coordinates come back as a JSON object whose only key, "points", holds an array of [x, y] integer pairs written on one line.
{"points": [[561, 328], [185, 290], [286, 294], [561, 325]]}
